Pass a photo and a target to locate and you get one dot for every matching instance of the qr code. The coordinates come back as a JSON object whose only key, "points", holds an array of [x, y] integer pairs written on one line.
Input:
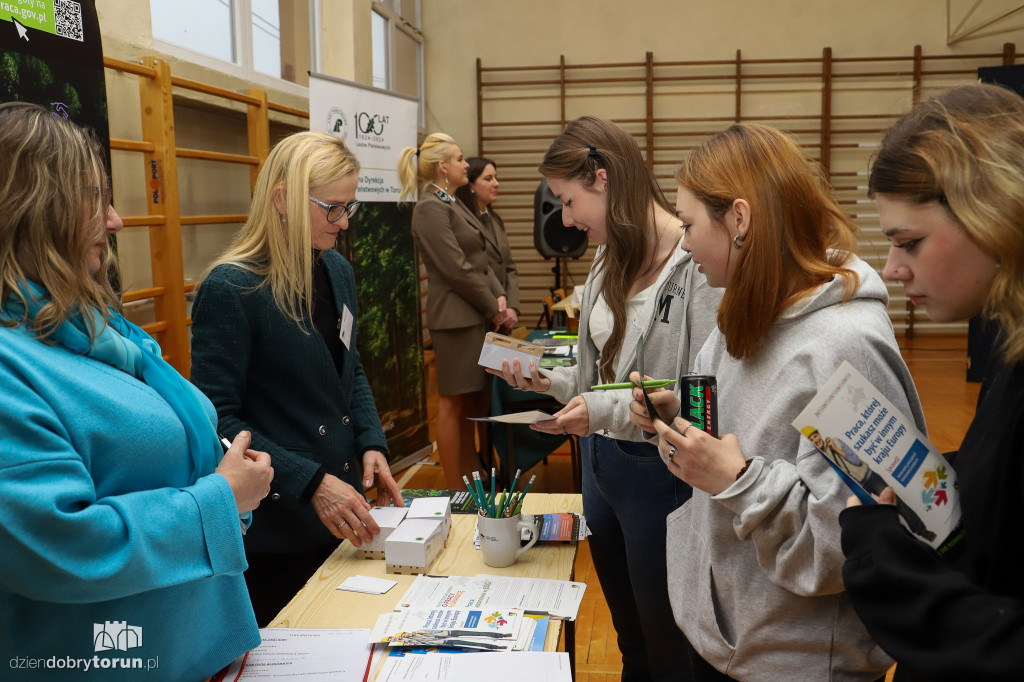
{"points": [[68, 16]]}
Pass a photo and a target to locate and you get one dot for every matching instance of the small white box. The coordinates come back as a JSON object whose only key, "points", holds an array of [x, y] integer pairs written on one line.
{"points": [[437, 508], [413, 546], [388, 518]]}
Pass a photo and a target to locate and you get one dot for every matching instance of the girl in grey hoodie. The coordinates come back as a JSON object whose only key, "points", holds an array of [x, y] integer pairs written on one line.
{"points": [[642, 284], [754, 560]]}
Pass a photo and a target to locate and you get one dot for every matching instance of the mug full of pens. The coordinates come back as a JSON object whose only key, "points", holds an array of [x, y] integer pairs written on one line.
{"points": [[500, 522]]}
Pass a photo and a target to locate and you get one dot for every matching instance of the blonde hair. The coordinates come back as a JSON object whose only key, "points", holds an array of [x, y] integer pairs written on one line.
{"points": [[48, 208], [794, 222], [965, 150], [278, 248], [417, 167], [587, 145]]}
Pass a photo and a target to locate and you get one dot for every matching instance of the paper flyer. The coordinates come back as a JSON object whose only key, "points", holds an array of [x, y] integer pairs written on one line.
{"points": [[488, 630], [550, 666], [559, 527], [874, 445], [559, 598]]}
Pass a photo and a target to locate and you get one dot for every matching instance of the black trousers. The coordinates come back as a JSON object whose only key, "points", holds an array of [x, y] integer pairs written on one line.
{"points": [[273, 579]]}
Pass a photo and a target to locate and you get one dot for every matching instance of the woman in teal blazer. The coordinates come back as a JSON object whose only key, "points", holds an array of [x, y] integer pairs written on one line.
{"points": [[274, 348], [119, 509]]}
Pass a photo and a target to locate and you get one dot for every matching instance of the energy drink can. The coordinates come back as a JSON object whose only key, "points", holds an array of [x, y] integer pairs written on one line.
{"points": [[699, 395]]}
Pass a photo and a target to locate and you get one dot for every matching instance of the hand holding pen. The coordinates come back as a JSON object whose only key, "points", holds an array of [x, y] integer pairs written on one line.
{"points": [[664, 402], [248, 472]]}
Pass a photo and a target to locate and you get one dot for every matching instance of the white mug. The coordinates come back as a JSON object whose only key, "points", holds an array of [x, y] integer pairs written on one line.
{"points": [[500, 539]]}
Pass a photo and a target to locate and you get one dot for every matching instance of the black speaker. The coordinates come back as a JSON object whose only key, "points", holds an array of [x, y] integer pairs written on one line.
{"points": [[550, 237]]}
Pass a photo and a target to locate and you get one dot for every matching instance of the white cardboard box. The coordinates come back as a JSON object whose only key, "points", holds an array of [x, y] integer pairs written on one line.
{"points": [[413, 546], [388, 518], [498, 347], [437, 508]]}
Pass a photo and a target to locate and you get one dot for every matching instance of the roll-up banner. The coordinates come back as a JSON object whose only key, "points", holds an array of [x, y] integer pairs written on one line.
{"points": [[51, 54]]}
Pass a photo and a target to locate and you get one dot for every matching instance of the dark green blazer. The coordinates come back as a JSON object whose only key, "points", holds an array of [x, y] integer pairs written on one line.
{"points": [[275, 378]]}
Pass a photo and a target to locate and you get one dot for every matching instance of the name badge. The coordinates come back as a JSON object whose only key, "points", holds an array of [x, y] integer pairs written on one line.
{"points": [[345, 326]]}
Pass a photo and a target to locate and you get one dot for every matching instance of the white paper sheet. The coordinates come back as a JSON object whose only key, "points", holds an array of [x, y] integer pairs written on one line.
{"points": [[559, 598], [531, 417], [550, 666], [307, 654], [367, 585]]}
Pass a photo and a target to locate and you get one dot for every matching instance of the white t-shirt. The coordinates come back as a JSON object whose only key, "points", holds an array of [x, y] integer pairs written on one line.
{"points": [[601, 322]]}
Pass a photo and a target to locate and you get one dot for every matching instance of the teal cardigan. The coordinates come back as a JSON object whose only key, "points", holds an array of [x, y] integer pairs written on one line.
{"points": [[266, 374], [102, 519]]}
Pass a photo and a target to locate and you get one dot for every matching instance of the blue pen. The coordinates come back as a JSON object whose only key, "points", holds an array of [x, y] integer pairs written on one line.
{"points": [[227, 446]]}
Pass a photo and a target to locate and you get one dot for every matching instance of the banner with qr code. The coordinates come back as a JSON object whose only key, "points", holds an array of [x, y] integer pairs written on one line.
{"points": [[51, 54], [59, 17]]}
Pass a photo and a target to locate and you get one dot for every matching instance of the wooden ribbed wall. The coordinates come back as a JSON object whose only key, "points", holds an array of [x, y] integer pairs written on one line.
{"points": [[836, 106]]}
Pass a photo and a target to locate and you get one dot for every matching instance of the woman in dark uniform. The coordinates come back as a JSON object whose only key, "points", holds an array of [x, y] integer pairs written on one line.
{"points": [[479, 194]]}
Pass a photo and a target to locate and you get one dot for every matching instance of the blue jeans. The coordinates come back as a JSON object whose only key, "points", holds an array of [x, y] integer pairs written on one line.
{"points": [[627, 493]]}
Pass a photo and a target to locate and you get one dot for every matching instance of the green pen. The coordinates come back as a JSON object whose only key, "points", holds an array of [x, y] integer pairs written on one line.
{"points": [[652, 383], [511, 492], [480, 490], [519, 502]]}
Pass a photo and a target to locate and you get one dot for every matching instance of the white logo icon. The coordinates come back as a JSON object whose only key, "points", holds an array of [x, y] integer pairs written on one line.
{"points": [[116, 635]]}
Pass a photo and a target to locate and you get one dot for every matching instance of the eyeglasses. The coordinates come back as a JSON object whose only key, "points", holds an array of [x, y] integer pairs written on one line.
{"points": [[335, 211], [101, 194]]}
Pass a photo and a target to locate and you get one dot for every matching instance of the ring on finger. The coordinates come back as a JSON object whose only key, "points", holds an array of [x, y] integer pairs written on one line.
{"points": [[343, 524], [671, 452], [683, 434]]}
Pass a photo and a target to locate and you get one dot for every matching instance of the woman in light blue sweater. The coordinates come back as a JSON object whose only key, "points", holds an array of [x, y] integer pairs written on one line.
{"points": [[121, 544]]}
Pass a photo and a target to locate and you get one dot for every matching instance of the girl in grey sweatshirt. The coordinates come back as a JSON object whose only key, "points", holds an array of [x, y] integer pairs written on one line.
{"points": [[754, 560]]}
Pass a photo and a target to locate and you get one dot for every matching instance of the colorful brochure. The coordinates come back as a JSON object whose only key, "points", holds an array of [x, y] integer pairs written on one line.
{"points": [[873, 445], [480, 629]]}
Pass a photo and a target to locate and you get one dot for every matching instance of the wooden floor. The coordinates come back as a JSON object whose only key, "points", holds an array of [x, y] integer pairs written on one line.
{"points": [[938, 365]]}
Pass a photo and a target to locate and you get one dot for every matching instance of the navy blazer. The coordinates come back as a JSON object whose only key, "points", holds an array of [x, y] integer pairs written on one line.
{"points": [[275, 378]]}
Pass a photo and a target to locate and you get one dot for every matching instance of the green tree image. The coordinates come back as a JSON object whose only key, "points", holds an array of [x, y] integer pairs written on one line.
{"points": [[379, 245]]}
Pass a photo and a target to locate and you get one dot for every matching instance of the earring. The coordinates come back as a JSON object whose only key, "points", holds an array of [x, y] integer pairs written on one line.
{"points": [[445, 183], [738, 242], [282, 217]]}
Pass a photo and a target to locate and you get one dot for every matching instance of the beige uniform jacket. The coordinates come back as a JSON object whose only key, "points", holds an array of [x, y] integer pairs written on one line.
{"points": [[462, 289]]}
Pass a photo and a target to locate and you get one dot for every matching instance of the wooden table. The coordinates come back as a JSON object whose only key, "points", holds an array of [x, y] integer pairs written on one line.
{"points": [[321, 605]]}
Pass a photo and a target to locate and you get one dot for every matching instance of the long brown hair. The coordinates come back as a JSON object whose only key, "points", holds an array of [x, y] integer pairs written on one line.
{"points": [[48, 204], [965, 150], [794, 221], [587, 145]]}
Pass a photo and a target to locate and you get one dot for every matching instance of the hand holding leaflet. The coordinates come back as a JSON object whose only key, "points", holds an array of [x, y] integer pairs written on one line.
{"points": [[871, 443]]}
